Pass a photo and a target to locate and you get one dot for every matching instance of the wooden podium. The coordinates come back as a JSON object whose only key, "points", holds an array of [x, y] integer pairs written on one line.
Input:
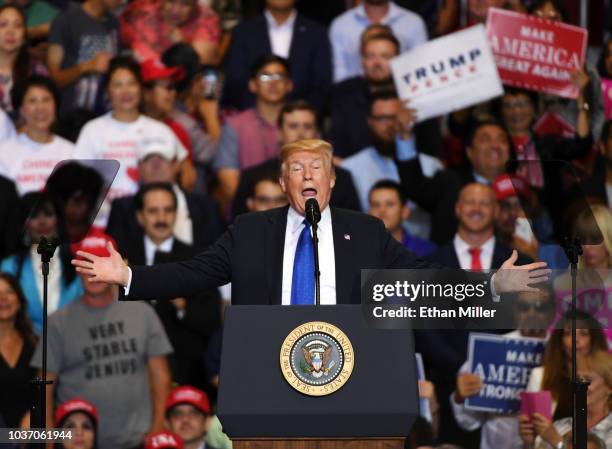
{"points": [[259, 409]]}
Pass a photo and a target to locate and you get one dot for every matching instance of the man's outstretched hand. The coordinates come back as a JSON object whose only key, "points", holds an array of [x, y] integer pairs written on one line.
{"points": [[518, 278], [111, 270]]}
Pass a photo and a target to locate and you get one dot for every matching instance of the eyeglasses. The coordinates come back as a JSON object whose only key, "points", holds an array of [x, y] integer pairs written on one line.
{"points": [[268, 200], [193, 413], [384, 118], [267, 77], [538, 307]]}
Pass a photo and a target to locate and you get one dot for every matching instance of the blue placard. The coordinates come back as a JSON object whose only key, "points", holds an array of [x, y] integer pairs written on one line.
{"points": [[504, 364]]}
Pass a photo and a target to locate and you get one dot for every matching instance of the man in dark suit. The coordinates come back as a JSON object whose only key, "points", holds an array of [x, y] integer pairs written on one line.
{"points": [[488, 150], [189, 321], [263, 252], [474, 247], [9, 217], [198, 221], [281, 31], [297, 120]]}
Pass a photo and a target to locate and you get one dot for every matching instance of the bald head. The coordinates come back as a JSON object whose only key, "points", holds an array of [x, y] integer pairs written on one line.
{"points": [[476, 208]]}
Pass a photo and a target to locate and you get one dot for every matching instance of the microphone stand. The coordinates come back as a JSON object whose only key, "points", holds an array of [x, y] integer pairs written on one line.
{"points": [[573, 249], [317, 273], [46, 249]]}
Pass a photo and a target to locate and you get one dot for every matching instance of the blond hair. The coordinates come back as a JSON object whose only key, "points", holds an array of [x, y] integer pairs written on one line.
{"points": [[584, 226], [309, 145], [600, 362]]}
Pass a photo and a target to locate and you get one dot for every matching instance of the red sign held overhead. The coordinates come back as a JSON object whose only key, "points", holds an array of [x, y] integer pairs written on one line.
{"points": [[534, 53]]}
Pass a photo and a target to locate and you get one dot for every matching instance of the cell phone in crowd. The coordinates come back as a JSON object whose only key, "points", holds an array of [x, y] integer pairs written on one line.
{"points": [[211, 80], [522, 229]]}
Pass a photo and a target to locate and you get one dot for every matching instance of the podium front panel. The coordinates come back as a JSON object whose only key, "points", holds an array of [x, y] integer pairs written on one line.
{"points": [[380, 399]]}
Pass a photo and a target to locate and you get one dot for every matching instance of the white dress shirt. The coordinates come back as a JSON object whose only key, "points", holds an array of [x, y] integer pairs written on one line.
{"points": [[183, 226], [150, 248], [280, 34], [462, 249], [327, 264]]}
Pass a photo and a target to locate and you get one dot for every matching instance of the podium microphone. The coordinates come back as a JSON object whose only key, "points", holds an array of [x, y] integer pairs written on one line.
{"points": [[313, 216]]}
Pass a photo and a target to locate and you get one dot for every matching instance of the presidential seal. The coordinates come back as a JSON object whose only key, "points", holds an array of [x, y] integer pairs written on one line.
{"points": [[317, 358]]}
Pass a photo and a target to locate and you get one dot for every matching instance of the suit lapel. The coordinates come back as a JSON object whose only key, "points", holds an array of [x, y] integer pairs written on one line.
{"points": [[263, 37], [298, 39], [274, 250], [498, 256], [343, 247]]}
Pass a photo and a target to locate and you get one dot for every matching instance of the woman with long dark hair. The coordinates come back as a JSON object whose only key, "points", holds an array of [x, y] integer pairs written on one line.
{"points": [[80, 418], [17, 343], [43, 217], [555, 373], [14, 59]]}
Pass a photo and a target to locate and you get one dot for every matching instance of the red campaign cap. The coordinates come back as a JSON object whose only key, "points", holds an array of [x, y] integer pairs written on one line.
{"points": [[188, 395], [163, 439], [75, 405], [153, 70], [510, 185], [94, 243]]}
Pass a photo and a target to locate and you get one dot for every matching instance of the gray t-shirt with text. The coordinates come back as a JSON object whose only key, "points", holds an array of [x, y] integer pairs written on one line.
{"points": [[101, 355]]}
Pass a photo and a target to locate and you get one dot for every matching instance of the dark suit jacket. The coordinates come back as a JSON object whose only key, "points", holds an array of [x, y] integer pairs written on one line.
{"points": [[10, 227], [344, 194], [436, 195], [190, 333], [250, 256], [206, 221], [350, 132], [309, 58]]}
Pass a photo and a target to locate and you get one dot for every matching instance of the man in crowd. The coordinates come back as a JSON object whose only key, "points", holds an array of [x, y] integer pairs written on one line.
{"points": [[189, 322], [266, 193], [282, 31], [533, 314], [474, 247], [388, 203], [297, 120], [197, 222], [345, 31], [83, 40], [488, 150], [98, 345], [252, 136], [351, 98], [390, 125], [518, 213], [188, 414]]}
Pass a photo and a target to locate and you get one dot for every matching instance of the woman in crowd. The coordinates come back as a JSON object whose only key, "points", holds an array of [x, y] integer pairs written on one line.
{"points": [[17, 343], [604, 68], [149, 27], [122, 132], [539, 433], [42, 217], [80, 418], [591, 100], [31, 156], [14, 59], [555, 373]]}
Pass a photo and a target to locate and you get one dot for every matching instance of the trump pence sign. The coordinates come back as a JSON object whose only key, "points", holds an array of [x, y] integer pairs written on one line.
{"points": [[448, 73], [534, 53]]}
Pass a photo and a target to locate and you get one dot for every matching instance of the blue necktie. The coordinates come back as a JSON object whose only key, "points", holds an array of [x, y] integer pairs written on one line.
{"points": [[303, 283]]}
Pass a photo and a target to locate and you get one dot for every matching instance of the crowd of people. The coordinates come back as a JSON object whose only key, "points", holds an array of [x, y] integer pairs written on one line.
{"points": [[157, 122]]}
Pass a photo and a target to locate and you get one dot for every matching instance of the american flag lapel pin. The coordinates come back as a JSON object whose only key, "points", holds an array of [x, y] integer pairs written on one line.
{"points": [[347, 236]]}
